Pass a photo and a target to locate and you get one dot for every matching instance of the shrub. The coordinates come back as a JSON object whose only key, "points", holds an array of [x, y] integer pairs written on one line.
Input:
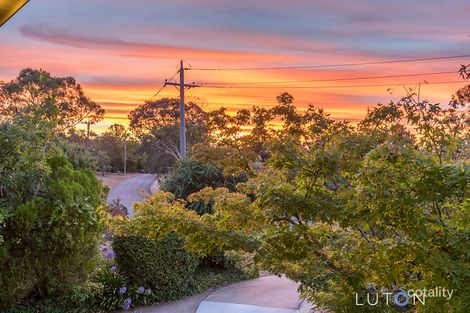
{"points": [[243, 262], [38, 308], [191, 176], [212, 278], [50, 241], [109, 297], [79, 299], [82, 298], [163, 266]]}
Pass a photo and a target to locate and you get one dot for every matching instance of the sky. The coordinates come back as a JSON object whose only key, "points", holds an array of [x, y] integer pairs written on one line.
{"points": [[121, 51]]}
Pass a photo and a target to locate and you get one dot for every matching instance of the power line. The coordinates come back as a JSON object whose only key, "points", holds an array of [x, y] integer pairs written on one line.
{"points": [[159, 90], [163, 87], [336, 86], [331, 65], [332, 79]]}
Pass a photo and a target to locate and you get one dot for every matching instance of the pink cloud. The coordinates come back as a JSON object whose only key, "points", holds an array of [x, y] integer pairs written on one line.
{"points": [[140, 49]]}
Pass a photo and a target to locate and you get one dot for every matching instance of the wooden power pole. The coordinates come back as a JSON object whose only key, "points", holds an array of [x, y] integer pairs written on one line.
{"points": [[182, 86]]}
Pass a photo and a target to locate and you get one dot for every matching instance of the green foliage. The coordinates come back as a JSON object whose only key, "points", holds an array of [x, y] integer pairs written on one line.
{"points": [[191, 176], [213, 278], [109, 297], [156, 124], [43, 308], [379, 207], [114, 146], [23, 168], [50, 241], [372, 209], [78, 155], [163, 266], [82, 298], [79, 299], [341, 209], [206, 234], [59, 100]]}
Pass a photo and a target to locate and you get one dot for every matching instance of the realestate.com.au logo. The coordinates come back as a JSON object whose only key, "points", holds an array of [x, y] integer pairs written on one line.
{"points": [[403, 298]]}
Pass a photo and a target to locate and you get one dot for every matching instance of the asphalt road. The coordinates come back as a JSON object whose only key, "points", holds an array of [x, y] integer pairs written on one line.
{"points": [[129, 191]]}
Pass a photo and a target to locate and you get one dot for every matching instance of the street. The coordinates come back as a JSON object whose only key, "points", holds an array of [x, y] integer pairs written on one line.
{"points": [[129, 190]]}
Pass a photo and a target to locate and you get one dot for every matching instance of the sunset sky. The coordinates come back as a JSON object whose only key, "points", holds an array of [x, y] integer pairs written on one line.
{"points": [[121, 51]]}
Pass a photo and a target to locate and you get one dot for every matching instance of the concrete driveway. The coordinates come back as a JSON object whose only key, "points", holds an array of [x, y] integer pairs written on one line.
{"points": [[268, 294]]}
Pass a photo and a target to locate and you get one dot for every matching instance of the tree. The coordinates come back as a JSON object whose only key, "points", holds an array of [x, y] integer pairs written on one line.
{"points": [[78, 154], [156, 124], [225, 145], [444, 132], [343, 210], [119, 147], [164, 112], [35, 93], [122, 135]]}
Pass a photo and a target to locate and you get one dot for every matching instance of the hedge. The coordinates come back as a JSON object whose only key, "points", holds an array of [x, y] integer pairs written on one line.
{"points": [[163, 266]]}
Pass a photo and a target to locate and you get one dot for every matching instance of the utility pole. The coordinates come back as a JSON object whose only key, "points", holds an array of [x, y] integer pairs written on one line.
{"points": [[125, 155], [182, 114], [182, 86], [87, 129]]}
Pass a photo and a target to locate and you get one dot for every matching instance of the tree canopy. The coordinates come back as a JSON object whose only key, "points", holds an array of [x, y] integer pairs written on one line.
{"points": [[36, 93], [156, 114], [342, 209]]}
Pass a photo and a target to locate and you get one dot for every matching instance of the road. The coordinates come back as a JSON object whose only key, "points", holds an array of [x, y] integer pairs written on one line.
{"points": [[128, 191]]}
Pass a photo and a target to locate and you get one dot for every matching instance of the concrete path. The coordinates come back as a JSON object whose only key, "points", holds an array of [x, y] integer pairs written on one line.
{"points": [[269, 294], [128, 191], [186, 305]]}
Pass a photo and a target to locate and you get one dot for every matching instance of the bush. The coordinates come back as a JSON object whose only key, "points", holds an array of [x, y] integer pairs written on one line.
{"points": [[50, 241], [213, 278], [80, 299], [38, 308], [109, 297], [163, 266], [191, 176]]}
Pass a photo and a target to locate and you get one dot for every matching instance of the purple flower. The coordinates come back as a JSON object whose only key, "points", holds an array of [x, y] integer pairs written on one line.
{"points": [[127, 304], [141, 290], [122, 290], [113, 269], [110, 255], [148, 292]]}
